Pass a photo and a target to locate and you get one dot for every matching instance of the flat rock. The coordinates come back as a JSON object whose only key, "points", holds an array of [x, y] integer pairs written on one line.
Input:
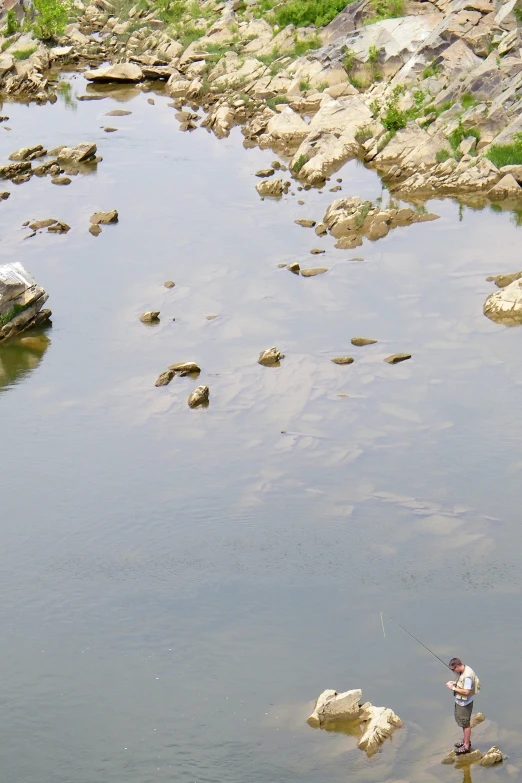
{"points": [[305, 223], [95, 231], [61, 180], [501, 281], [317, 251], [397, 357], [360, 341], [319, 270], [110, 129], [82, 152], [104, 218], [122, 72], [270, 358], [185, 368], [150, 316], [199, 397], [36, 225], [264, 172], [332, 706], [118, 113], [343, 360], [58, 228]]}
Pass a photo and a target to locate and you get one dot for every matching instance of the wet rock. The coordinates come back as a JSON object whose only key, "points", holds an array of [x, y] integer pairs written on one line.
{"points": [[332, 706], [305, 223], [104, 218], [61, 180], [110, 129], [505, 306], [28, 153], [95, 231], [36, 225], [169, 284], [21, 301], [199, 396], [360, 341], [295, 268], [507, 187], [185, 368], [343, 360], [270, 187], [270, 358], [264, 172], [501, 281], [122, 72], [397, 357], [150, 316], [79, 154], [4, 194], [321, 229], [491, 757], [477, 719], [210, 317], [118, 113], [164, 378], [317, 251], [381, 722], [319, 270], [12, 170], [58, 228]]}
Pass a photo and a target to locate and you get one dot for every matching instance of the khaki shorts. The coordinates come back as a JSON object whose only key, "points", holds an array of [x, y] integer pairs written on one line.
{"points": [[463, 714]]}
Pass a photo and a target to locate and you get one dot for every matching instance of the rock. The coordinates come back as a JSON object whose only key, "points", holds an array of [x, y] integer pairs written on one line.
{"points": [[477, 719], [169, 284], [28, 153], [270, 358], [305, 223], [332, 706], [164, 378], [36, 225], [360, 341], [110, 129], [118, 113], [397, 357], [21, 301], [343, 360], [319, 270], [505, 306], [468, 758], [72, 155], [95, 231], [321, 229], [270, 187], [198, 397], [288, 127], [491, 757], [295, 268], [264, 172], [58, 228], [104, 218], [12, 170], [122, 72], [61, 180], [467, 145], [507, 187], [381, 722], [4, 194], [185, 368], [150, 316], [316, 251]]}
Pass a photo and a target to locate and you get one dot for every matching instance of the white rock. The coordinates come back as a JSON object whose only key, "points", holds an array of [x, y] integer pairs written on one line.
{"points": [[122, 72], [22, 298], [381, 722], [332, 706], [505, 306]]}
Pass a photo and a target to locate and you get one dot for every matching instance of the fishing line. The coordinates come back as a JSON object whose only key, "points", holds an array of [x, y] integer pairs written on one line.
{"points": [[413, 637]]}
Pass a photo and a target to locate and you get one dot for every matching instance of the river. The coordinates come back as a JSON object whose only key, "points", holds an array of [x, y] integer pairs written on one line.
{"points": [[179, 585]]}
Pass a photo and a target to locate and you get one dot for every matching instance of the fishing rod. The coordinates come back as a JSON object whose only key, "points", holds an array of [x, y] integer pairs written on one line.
{"points": [[412, 636]]}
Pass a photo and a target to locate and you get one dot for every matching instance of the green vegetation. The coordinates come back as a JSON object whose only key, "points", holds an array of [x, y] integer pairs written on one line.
{"points": [[361, 215], [52, 19], [305, 45], [506, 154], [385, 9], [298, 165], [357, 83], [373, 55], [302, 13], [349, 58], [467, 101], [322, 87], [24, 54], [11, 24], [431, 70], [277, 100], [443, 155], [459, 134], [304, 85], [363, 134], [15, 310]]}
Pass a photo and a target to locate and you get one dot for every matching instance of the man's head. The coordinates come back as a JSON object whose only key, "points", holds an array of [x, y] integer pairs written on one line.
{"points": [[456, 665]]}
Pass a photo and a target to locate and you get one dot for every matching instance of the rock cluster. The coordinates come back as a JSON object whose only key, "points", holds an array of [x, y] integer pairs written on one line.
{"points": [[493, 756], [21, 301], [376, 723], [70, 160]]}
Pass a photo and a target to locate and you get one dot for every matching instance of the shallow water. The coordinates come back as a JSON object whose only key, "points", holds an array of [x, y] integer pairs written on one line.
{"points": [[180, 585]]}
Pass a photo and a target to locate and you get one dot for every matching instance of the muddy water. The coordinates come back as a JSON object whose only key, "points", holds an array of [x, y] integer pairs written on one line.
{"points": [[179, 585]]}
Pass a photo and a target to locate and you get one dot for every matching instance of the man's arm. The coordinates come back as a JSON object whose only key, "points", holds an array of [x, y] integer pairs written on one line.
{"points": [[461, 691]]}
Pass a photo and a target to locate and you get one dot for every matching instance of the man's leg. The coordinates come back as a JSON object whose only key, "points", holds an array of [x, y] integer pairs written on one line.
{"points": [[467, 737]]}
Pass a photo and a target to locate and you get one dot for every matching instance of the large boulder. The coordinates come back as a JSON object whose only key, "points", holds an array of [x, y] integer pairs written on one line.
{"points": [[505, 306], [80, 154], [380, 724], [122, 72], [287, 127], [21, 301], [332, 706]]}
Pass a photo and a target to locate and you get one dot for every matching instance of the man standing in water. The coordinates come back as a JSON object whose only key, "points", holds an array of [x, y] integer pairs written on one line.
{"points": [[465, 688]]}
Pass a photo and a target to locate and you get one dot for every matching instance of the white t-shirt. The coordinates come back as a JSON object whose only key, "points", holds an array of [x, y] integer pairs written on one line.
{"points": [[460, 699]]}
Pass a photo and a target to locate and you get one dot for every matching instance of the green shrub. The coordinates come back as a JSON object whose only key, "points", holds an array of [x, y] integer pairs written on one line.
{"points": [[363, 134], [52, 18], [276, 100], [459, 134], [506, 154], [304, 85], [11, 23], [302, 13], [373, 54], [24, 54], [385, 9], [306, 44], [15, 310], [443, 155], [467, 101], [361, 215], [298, 165], [349, 58], [431, 70], [355, 82], [394, 118]]}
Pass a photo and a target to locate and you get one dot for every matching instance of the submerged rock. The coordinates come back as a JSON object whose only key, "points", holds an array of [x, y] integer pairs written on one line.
{"points": [[150, 316], [271, 357], [332, 706], [505, 305], [493, 756], [61, 180], [478, 718], [397, 357], [343, 360], [198, 397], [464, 759], [360, 341], [21, 301], [501, 281], [318, 270], [382, 721]]}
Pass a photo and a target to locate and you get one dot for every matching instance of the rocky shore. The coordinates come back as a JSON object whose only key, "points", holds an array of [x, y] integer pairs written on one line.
{"points": [[427, 93]]}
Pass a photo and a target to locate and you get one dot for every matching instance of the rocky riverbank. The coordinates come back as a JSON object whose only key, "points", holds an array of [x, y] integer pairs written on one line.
{"points": [[427, 93]]}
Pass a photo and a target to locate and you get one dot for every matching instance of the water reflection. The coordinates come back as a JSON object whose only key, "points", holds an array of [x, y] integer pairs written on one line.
{"points": [[21, 356]]}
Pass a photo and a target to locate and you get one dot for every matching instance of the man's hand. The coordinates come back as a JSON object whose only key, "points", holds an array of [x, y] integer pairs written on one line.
{"points": [[450, 684]]}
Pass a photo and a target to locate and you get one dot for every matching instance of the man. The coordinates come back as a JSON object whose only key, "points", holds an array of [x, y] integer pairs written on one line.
{"points": [[465, 688]]}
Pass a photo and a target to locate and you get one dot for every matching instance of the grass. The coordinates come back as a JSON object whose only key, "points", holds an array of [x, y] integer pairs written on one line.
{"points": [[459, 134], [385, 9], [305, 45], [361, 215], [468, 101], [506, 154], [303, 13], [385, 139], [24, 54], [349, 59], [443, 155], [276, 100], [11, 24], [373, 55], [357, 83], [363, 134], [52, 19], [300, 162], [304, 85], [431, 70], [15, 310]]}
